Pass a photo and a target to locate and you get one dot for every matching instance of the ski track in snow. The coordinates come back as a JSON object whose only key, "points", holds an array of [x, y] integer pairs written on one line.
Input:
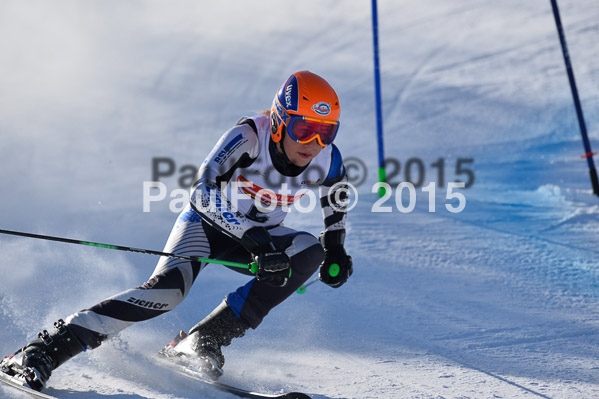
{"points": [[498, 301]]}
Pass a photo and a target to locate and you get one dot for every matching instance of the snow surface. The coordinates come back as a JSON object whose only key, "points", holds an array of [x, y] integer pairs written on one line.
{"points": [[497, 301]]}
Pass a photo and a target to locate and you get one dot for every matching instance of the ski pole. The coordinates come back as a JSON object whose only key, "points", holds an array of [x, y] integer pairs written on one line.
{"points": [[333, 272], [302, 288], [252, 267]]}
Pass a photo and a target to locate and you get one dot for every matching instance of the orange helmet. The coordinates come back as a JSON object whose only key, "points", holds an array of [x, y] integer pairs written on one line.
{"points": [[307, 108]]}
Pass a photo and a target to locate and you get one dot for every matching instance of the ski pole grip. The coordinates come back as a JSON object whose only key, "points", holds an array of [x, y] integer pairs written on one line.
{"points": [[334, 270], [253, 268]]}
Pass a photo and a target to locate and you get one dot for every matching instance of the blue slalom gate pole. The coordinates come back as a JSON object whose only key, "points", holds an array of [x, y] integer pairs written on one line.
{"points": [[377, 93], [583, 128]]}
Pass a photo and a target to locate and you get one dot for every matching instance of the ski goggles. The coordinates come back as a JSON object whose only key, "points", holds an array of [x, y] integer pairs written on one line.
{"points": [[304, 129]]}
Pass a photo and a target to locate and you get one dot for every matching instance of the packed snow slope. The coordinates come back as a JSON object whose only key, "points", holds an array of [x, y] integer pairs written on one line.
{"points": [[499, 300]]}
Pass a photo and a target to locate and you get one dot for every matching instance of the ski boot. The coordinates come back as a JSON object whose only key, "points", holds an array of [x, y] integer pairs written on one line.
{"points": [[201, 348], [33, 364]]}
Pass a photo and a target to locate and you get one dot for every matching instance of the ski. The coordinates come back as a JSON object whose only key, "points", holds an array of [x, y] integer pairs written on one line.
{"points": [[242, 393], [14, 383]]}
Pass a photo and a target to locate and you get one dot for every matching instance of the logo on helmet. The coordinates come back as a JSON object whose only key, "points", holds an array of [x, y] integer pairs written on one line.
{"points": [[322, 108], [281, 113], [288, 100]]}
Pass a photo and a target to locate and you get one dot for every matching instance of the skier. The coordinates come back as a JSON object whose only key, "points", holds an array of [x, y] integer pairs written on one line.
{"points": [[243, 190]]}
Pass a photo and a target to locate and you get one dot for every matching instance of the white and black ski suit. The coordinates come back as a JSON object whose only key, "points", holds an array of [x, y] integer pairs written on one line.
{"points": [[243, 183]]}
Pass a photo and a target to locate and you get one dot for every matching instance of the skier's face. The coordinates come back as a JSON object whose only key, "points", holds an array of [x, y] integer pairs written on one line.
{"points": [[301, 154]]}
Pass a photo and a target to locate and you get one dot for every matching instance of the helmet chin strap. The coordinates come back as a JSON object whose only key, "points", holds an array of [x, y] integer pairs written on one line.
{"points": [[281, 146]]}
